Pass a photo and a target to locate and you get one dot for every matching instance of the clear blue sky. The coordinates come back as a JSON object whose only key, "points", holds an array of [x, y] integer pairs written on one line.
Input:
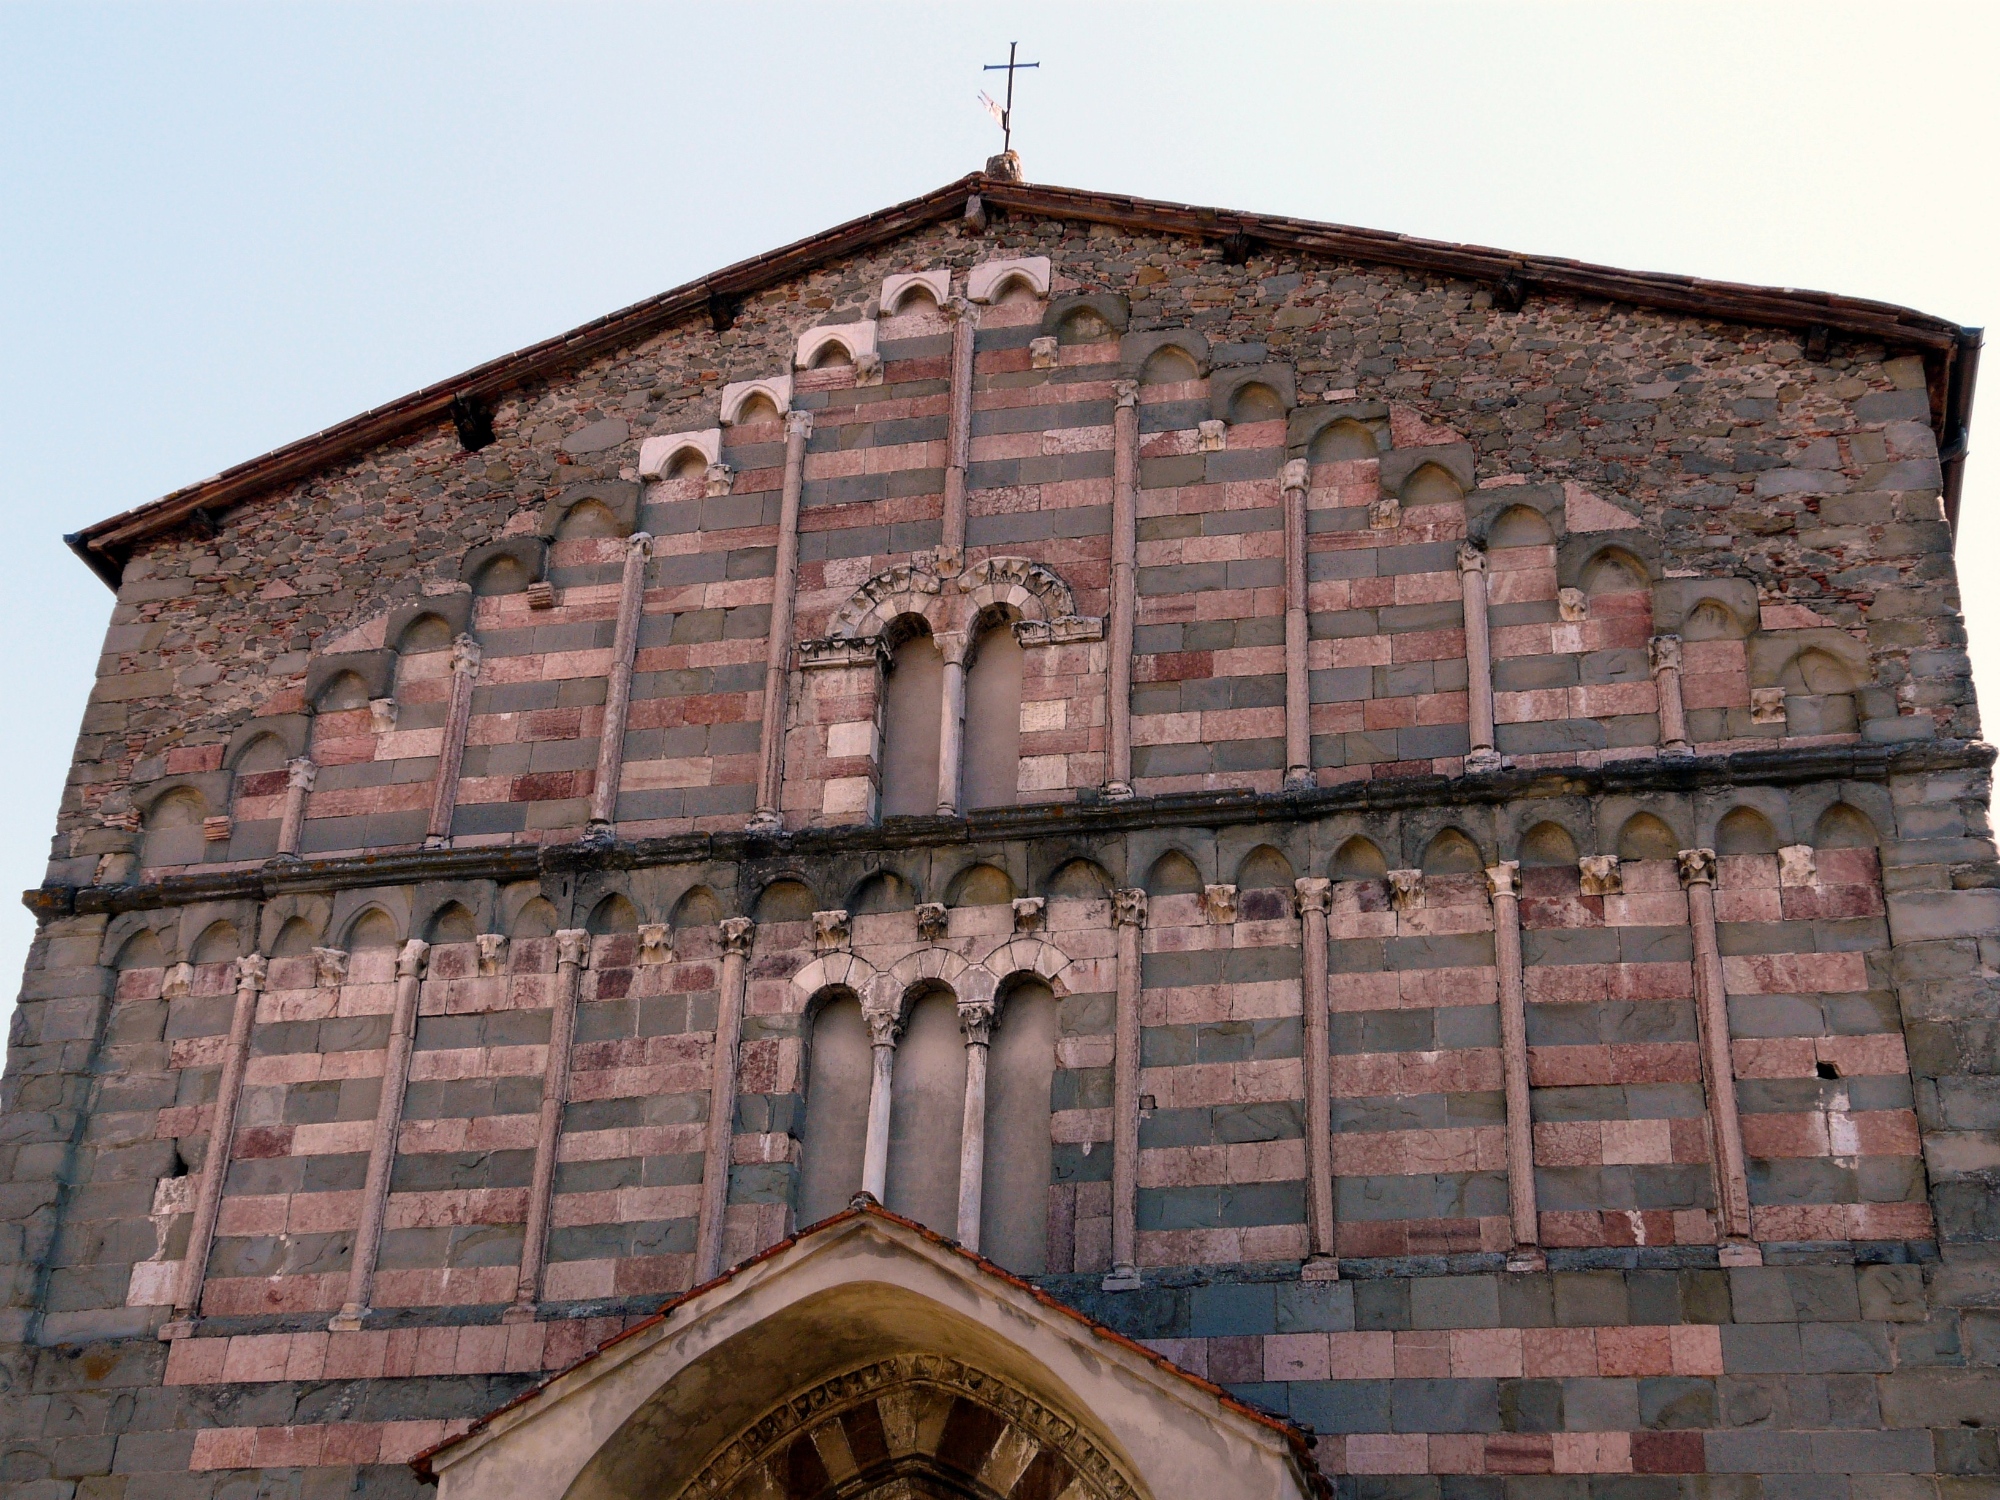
{"points": [[225, 226]]}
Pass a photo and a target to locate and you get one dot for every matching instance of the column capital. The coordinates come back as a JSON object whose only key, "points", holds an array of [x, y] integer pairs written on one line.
{"points": [[639, 544], [411, 962], [1128, 907], [1665, 651], [1298, 474], [885, 1027], [960, 308], [1125, 393], [492, 952], [251, 971], [301, 773], [798, 424], [330, 966], [1697, 866], [952, 646], [1471, 558], [831, 933], [737, 933], [573, 947], [465, 655], [1504, 879], [1315, 894], [975, 1019]]}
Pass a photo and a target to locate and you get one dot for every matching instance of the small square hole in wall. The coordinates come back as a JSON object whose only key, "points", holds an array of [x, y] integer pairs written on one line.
{"points": [[1827, 1070]]}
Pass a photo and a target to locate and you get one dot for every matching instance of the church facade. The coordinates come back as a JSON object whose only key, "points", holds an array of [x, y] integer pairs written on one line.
{"points": [[1047, 845]]}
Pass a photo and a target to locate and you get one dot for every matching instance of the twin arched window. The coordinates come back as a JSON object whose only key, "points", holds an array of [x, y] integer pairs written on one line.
{"points": [[914, 702]]}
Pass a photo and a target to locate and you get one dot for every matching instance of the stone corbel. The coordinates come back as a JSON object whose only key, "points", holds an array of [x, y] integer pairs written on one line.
{"points": [[179, 979], [1218, 904], [1796, 866], [329, 967], [1042, 353], [717, 480], [1572, 606], [1211, 436], [1767, 705], [1406, 889], [381, 714], [1385, 513], [1601, 875], [831, 933], [1030, 913], [933, 921], [492, 953], [656, 943]]}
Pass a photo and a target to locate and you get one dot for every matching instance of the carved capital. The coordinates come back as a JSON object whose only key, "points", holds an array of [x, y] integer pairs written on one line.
{"points": [[492, 952], [736, 935], [1796, 865], [572, 947], [656, 943], [1406, 888], [841, 651], [1030, 912], [1767, 705], [1211, 436], [1697, 866], [1385, 513], [1504, 879], [301, 774], [717, 480], [1601, 874], [1218, 904], [1471, 559], [1125, 393], [1042, 353], [959, 307], [932, 921], [381, 714], [1128, 907], [1315, 894], [465, 655], [1665, 651], [251, 971], [884, 1026], [798, 424], [412, 961], [177, 981], [975, 1019], [639, 544], [952, 646], [830, 931], [329, 967], [1572, 606], [1298, 474]]}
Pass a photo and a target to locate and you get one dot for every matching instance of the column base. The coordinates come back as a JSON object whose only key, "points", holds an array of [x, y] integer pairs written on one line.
{"points": [[347, 1320], [764, 821], [1740, 1253], [520, 1312], [1479, 762], [1678, 750], [1118, 791], [1527, 1258], [437, 841], [1122, 1279], [1300, 779], [1320, 1268]]}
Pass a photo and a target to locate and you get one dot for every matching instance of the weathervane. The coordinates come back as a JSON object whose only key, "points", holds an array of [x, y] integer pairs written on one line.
{"points": [[1004, 113]]}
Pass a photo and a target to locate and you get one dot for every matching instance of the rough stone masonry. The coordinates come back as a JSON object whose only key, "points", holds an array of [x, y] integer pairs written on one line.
{"points": [[1401, 824]]}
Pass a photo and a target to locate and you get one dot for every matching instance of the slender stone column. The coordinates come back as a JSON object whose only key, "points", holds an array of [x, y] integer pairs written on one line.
{"points": [[951, 723], [572, 953], [382, 1151], [778, 649], [958, 456], [1732, 1185], [1315, 901], [1128, 912], [1504, 882], [299, 777], [1478, 661], [444, 797], [885, 1025], [737, 933], [1666, 654], [1298, 689], [618, 690], [1124, 587], [250, 973], [975, 1019]]}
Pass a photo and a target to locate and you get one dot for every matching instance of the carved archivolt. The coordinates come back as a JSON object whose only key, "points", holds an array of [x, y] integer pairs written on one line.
{"points": [[1044, 607], [912, 1397], [906, 589], [1028, 955]]}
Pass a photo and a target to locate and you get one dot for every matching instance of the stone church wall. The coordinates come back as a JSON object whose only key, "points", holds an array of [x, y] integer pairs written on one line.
{"points": [[424, 617]]}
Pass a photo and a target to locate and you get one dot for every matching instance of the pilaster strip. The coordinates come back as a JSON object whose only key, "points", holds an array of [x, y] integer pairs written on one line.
{"points": [[1665, 651], [572, 954], [975, 1020], [1124, 587], [1503, 881], [1480, 755], [964, 335], [299, 777], [1298, 688], [1732, 1184], [737, 935], [778, 651], [618, 690], [251, 970], [1128, 912], [451, 757], [1315, 898]]}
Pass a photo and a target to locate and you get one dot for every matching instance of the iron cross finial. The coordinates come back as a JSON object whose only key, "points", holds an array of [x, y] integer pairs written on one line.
{"points": [[1007, 109]]}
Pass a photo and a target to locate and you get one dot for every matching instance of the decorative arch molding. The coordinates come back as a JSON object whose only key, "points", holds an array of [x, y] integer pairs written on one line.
{"points": [[777, 389], [990, 279], [857, 339], [1027, 586], [907, 589], [896, 289], [1030, 955], [933, 965], [901, 1391], [1043, 605], [834, 971], [657, 454]]}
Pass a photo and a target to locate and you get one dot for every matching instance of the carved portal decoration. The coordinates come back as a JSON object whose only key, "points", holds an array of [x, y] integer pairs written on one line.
{"points": [[911, 1401], [1043, 606]]}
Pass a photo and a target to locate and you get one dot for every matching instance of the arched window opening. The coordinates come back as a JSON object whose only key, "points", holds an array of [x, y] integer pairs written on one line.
{"points": [[1020, 1072], [992, 736], [1359, 859], [1343, 442], [173, 829], [927, 1114], [1173, 874], [1744, 830], [1169, 365], [1547, 845], [838, 1069], [1646, 837], [1844, 827], [912, 708], [785, 901], [1451, 852]]}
